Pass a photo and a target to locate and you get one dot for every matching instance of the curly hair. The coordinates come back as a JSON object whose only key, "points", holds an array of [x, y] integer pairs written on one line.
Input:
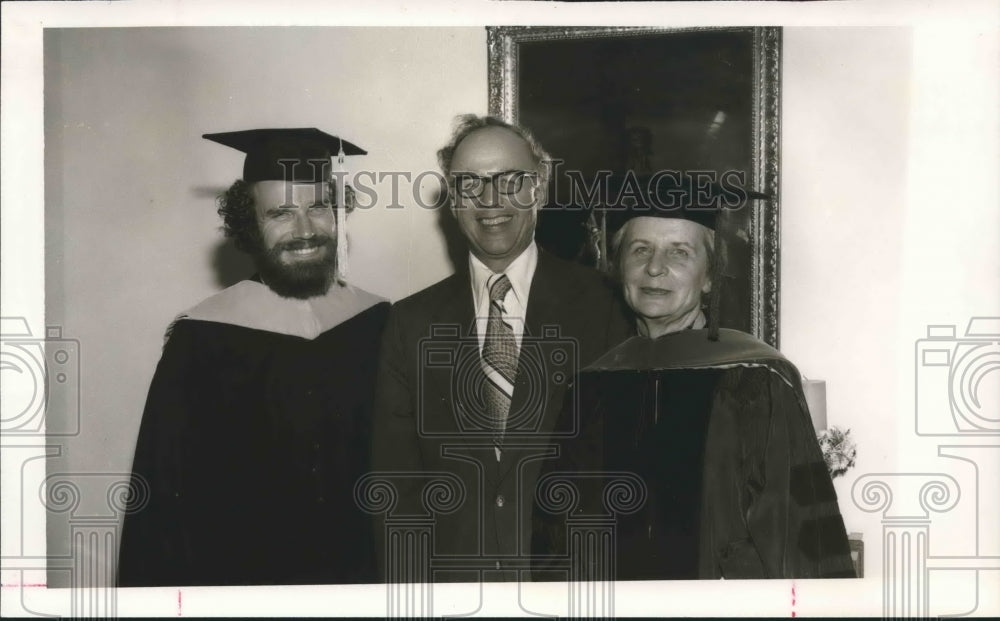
{"points": [[239, 219]]}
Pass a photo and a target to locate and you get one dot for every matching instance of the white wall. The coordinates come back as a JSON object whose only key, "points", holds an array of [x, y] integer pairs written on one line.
{"points": [[875, 243], [131, 227], [845, 111], [890, 223]]}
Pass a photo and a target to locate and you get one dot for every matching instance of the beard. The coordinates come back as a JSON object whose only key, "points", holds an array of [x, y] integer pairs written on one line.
{"points": [[298, 279]]}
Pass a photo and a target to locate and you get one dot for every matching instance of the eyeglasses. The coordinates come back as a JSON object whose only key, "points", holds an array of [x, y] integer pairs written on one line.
{"points": [[507, 182]]}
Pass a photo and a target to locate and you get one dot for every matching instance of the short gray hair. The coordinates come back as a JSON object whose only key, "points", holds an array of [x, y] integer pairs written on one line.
{"points": [[614, 255], [465, 124]]}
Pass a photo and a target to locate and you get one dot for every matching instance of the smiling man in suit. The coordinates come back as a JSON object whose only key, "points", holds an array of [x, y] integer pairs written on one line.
{"points": [[474, 369]]}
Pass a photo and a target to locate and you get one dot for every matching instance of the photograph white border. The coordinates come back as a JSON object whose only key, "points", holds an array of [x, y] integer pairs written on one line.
{"points": [[21, 115]]}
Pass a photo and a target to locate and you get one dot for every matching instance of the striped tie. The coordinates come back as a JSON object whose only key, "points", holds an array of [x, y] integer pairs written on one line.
{"points": [[499, 362]]}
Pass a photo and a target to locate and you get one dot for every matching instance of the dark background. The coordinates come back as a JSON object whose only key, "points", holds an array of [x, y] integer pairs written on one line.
{"points": [[587, 100]]}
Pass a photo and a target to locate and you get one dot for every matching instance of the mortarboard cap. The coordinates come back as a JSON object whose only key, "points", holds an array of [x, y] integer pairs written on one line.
{"points": [[298, 154], [672, 195]]}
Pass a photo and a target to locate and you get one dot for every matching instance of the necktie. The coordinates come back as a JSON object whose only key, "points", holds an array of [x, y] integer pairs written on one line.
{"points": [[499, 361]]}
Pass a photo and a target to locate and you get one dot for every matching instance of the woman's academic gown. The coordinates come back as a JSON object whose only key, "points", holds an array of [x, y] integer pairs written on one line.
{"points": [[714, 443]]}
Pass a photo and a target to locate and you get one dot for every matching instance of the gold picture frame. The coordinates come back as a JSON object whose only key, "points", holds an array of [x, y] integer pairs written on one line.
{"points": [[564, 84]]}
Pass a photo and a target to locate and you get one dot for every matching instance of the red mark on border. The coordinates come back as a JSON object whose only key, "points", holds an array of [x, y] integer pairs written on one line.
{"points": [[30, 584], [793, 599], [178, 602]]}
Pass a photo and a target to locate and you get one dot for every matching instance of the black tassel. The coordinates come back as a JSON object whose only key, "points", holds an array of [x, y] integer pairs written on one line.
{"points": [[713, 309], [718, 270]]}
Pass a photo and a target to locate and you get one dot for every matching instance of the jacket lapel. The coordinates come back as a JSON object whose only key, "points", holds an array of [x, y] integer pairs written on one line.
{"points": [[453, 330], [549, 322], [440, 347]]}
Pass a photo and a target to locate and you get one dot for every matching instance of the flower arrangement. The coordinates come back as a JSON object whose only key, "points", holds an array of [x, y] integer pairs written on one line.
{"points": [[838, 449]]}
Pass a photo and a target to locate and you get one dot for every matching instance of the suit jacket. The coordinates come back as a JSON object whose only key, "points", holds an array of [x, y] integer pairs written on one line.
{"points": [[429, 442]]}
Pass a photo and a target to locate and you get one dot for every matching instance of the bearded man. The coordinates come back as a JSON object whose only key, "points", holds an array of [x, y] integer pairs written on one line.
{"points": [[257, 422]]}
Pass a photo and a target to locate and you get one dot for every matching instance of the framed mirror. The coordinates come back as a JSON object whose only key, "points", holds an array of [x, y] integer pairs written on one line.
{"points": [[612, 100]]}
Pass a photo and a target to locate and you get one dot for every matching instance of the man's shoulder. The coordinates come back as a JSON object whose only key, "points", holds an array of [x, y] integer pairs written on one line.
{"points": [[217, 308], [429, 297], [574, 283], [572, 270], [223, 303], [250, 305], [365, 299]]}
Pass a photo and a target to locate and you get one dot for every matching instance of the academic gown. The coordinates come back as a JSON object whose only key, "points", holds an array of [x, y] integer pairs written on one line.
{"points": [[723, 452], [256, 428]]}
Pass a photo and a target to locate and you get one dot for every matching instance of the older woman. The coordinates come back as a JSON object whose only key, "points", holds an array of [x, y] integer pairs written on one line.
{"points": [[694, 442], [664, 265]]}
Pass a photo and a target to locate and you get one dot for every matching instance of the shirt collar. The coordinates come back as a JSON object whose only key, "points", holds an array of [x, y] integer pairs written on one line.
{"points": [[520, 272]]}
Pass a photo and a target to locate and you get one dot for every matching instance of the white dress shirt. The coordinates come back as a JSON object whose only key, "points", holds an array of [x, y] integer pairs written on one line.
{"points": [[515, 303]]}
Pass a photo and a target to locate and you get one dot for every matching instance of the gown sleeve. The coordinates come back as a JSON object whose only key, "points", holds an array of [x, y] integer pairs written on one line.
{"points": [[155, 547], [792, 517]]}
